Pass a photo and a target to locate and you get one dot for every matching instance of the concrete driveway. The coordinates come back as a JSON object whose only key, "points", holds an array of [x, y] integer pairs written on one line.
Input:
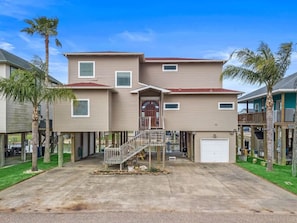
{"points": [[190, 187]]}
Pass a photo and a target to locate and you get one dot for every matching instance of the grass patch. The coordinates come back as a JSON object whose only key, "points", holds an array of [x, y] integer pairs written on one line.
{"points": [[11, 175], [281, 175]]}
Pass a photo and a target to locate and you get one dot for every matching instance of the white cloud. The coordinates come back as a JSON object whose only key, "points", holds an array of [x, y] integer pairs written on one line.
{"points": [[146, 36], [6, 46], [21, 9]]}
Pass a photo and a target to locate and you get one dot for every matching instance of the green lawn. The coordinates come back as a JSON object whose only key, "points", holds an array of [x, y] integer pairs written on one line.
{"points": [[11, 175], [281, 175]]}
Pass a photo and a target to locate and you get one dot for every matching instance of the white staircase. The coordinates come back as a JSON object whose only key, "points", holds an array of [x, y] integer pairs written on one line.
{"points": [[134, 146]]}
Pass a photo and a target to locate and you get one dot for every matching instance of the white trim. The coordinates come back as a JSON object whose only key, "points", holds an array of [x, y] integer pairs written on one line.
{"points": [[219, 107], [163, 90], [164, 70], [169, 109], [80, 116], [79, 62], [116, 78]]}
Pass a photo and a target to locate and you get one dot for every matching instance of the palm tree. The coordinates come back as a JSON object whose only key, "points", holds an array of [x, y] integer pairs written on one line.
{"points": [[262, 67], [28, 86], [46, 28]]}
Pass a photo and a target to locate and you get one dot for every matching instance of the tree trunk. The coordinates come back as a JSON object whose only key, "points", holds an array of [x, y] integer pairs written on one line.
{"points": [[269, 132], [47, 156], [35, 139]]}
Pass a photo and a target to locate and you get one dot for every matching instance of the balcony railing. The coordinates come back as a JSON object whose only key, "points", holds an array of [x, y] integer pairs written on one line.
{"points": [[260, 117]]}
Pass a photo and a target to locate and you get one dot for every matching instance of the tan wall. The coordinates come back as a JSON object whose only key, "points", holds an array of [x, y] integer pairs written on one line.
{"points": [[200, 113], [125, 111], [189, 75], [105, 67], [99, 113], [219, 135]]}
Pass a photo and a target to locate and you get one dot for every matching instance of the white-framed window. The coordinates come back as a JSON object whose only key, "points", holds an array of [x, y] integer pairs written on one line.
{"points": [[171, 106], [123, 79], [86, 69], [80, 108], [226, 105], [169, 67]]}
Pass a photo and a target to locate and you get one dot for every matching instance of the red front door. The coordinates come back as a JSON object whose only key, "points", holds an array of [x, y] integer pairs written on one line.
{"points": [[150, 109]]}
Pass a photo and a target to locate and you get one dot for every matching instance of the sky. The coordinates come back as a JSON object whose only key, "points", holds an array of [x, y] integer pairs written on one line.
{"points": [[157, 28]]}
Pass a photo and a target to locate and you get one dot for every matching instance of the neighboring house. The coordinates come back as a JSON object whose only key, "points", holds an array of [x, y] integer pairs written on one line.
{"points": [[284, 96], [119, 92], [15, 117]]}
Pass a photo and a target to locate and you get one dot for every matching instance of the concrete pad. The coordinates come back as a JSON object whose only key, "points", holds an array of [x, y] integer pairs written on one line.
{"points": [[190, 187]]}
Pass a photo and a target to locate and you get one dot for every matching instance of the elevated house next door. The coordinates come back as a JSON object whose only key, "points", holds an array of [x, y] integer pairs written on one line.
{"points": [[150, 113]]}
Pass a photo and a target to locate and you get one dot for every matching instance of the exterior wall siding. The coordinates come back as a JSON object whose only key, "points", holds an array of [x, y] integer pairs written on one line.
{"points": [[125, 112], [99, 113], [18, 117], [105, 67], [290, 100], [2, 115], [189, 75], [200, 113], [2, 102]]}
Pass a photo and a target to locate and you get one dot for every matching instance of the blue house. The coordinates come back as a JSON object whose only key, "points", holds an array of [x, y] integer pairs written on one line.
{"points": [[284, 97]]}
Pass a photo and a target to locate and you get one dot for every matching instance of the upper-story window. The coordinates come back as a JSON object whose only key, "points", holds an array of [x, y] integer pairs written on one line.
{"points": [[86, 69], [123, 79], [226, 105], [169, 67], [80, 108]]}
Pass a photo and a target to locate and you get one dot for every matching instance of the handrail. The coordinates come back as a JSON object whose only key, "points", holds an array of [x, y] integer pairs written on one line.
{"points": [[145, 123], [134, 146]]}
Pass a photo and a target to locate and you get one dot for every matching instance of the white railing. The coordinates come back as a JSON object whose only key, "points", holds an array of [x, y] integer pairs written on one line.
{"points": [[134, 146], [148, 122]]}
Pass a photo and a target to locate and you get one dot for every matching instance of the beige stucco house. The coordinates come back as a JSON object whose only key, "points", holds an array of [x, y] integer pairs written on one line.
{"points": [[120, 92]]}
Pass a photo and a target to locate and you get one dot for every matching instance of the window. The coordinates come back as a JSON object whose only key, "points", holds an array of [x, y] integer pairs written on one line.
{"points": [[226, 105], [123, 79], [257, 107], [171, 106], [169, 67], [86, 69], [12, 69], [80, 108]]}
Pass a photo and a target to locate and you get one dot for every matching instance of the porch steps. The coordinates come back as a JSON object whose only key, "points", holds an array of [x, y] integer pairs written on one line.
{"points": [[134, 146]]}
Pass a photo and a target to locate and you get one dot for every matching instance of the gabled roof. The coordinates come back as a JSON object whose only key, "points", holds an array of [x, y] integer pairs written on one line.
{"points": [[202, 91], [287, 84], [11, 59], [163, 90], [87, 85]]}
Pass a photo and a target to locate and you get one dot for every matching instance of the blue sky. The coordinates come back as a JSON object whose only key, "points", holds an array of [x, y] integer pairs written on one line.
{"points": [[196, 29]]}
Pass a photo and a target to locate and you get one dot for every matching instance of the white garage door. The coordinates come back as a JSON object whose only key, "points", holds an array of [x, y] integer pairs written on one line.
{"points": [[214, 150]]}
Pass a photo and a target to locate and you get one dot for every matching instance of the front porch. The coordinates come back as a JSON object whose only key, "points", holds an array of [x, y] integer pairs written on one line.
{"points": [[252, 135]]}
